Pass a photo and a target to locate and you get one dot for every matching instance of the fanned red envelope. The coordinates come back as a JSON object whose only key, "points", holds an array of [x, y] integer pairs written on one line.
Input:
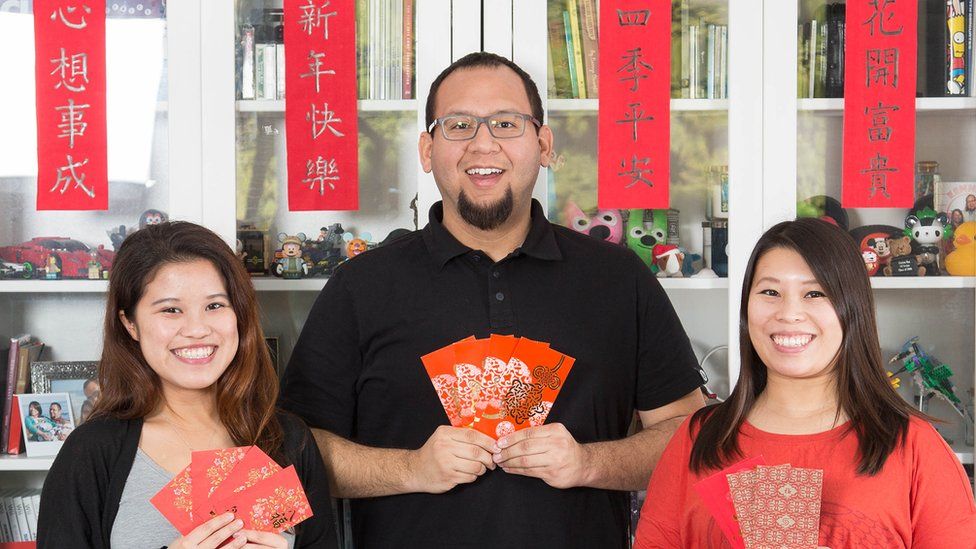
{"points": [[175, 502], [272, 505], [497, 385], [243, 480], [778, 506], [714, 492]]}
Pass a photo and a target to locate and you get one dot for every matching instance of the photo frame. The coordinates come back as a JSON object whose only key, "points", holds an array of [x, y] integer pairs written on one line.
{"points": [[79, 379], [46, 420]]}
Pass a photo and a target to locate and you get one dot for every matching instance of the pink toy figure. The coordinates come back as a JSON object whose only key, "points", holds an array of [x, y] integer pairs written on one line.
{"points": [[606, 224]]}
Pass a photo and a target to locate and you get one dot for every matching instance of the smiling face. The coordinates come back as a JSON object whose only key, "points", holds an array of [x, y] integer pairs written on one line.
{"points": [[185, 326], [484, 180], [55, 411], [792, 324]]}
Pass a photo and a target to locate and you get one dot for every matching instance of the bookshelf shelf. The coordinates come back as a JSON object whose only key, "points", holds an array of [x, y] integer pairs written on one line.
{"points": [[922, 283], [377, 105], [53, 286], [677, 105], [922, 104], [21, 462]]}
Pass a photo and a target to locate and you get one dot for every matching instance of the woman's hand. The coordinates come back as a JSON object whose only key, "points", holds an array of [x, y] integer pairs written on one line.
{"points": [[262, 540], [211, 534]]}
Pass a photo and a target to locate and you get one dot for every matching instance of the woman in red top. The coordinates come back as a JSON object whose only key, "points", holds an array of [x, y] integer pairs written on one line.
{"points": [[812, 392]]}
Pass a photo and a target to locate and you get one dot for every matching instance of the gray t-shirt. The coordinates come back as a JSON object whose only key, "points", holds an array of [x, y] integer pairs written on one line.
{"points": [[138, 524]]}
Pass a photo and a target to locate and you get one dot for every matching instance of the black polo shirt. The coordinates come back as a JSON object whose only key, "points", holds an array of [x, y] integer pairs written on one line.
{"points": [[356, 372]]}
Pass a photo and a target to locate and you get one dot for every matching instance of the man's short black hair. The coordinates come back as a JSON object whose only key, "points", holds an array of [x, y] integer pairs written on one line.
{"points": [[486, 60]]}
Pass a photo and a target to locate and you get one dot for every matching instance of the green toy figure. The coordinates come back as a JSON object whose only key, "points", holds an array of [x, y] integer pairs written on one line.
{"points": [[646, 229], [932, 377]]}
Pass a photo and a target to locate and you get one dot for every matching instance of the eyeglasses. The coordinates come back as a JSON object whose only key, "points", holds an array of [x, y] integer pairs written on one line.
{"points": [[501, 125]]}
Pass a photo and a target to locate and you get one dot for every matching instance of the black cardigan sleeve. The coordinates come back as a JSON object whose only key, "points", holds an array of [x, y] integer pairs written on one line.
{"points": [[320, 530], [78, 504]]}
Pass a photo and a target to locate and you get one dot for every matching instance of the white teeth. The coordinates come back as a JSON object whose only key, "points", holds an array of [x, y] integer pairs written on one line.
{"points": [[792, 341], [194, 352], [483, 171]]}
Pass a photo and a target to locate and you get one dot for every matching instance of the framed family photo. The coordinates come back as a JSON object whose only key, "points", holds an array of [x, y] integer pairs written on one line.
{"points": [[79, 379], [46, 420]]}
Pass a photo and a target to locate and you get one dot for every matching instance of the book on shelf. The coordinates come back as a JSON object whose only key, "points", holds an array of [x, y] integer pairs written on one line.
{"points": [[835, 26], [590, 37], [562, 87], [570, 60], [576, 39], [680, 63], [407, 50], [24, 349], [18, 515], [574, 49]]}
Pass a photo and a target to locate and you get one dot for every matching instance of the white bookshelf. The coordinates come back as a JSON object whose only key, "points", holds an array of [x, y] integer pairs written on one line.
{"points": [[369, 105], [677, 105], [922, 104], [21, 462]]}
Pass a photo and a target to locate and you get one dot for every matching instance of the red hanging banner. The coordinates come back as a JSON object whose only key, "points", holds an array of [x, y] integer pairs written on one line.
{"points": [[635, 104], [69, 65], [321, 120], [879, 104]]}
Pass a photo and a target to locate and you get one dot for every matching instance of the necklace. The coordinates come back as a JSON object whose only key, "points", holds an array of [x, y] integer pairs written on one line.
{"points": [[179, 433]]}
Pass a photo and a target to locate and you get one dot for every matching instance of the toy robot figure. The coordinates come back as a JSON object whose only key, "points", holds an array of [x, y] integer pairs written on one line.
{"points": [[291, 264], [931, 376]]}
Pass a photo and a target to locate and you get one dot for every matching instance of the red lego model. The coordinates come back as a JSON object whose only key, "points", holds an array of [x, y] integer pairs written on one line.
{"points": [[71, 257]]}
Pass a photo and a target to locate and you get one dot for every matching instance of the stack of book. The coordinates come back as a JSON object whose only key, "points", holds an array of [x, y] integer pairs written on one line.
{"points": [[573, 49], [946, 53], [385, 49], [18, 515], [15, 379], [699, 52]]}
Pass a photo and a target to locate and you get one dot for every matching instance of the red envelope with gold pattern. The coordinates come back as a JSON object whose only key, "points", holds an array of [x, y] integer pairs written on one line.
{"points": [[537, 373], [175, 502], [469, 358], [209, 468], [741, 488], [495, 375], [245, 471], [440, 369], [714, 492], [271, 505], [786, 507]]}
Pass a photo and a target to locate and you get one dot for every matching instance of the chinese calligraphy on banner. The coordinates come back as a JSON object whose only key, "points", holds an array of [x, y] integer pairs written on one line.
{"points": [[635, 93], [69, 64], [321, 123], [879, 104]]}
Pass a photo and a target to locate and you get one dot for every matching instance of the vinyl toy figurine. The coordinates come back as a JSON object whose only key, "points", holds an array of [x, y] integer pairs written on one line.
{"points": [[642, 238], [932, 377], [928, 229], [962, 260], [606, 224], [870, 256], [290, 264], [668, 259], [903, 262]]}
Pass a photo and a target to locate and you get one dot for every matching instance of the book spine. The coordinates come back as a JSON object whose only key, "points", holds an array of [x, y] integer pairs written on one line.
{"points": [[685, 52], [589, 30], [562, 87], [20, 513], [247, 62], [835, 51], [812, 60], [362, 79], [280, 70], [724, 62], [8, 499], [270, 66], [574, 82], [821, 87], [693, 62], [710, 63], [408, 45], [30, 515], [5, 533], [702, 58], [11, 384], [577, 48]]}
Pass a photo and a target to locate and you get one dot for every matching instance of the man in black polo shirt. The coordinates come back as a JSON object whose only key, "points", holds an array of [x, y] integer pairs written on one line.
{"points": [[490, 262]]}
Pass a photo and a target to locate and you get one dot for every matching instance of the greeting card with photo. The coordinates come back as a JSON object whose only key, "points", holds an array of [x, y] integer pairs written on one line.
{"points": [[46, 421]]}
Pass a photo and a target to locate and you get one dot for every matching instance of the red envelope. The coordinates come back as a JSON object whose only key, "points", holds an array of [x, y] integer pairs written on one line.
{"points": [[209, 468], [440, 369], [469, 358], [786, 507], [271, 505], [496, 372], [536, 376], [741, 488], [714, 492], [247, 470], [175, 502]]}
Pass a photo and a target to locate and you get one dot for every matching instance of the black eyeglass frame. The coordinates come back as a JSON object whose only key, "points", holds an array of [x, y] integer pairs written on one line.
{"points": [[483, 120]]}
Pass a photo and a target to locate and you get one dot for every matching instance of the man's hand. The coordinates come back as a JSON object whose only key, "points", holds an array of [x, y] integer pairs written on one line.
{"points": [[547, 452], [451, 456]]}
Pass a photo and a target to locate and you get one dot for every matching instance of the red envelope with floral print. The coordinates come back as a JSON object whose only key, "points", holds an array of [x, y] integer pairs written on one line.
{"points": [[440, 369], [209, 468], [271, 505], [469, 358], [244, 471], [495, 371], [175, 502], [786, 507], [536, 375], [714, 492]]}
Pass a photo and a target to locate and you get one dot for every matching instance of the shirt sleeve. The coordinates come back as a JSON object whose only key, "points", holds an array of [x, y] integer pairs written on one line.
{"points": [[319, 531], [659, 525], [943, 511], [319, 384], [667, 368]]}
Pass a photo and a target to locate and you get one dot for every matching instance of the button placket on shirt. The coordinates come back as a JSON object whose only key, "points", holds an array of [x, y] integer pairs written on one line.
{"points": [[501, 313]]}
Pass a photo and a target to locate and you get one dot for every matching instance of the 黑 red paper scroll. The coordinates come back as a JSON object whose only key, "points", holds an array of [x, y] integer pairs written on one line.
{"points": [[321, 123], [635, 95], [879, 104], [69, 65]]}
